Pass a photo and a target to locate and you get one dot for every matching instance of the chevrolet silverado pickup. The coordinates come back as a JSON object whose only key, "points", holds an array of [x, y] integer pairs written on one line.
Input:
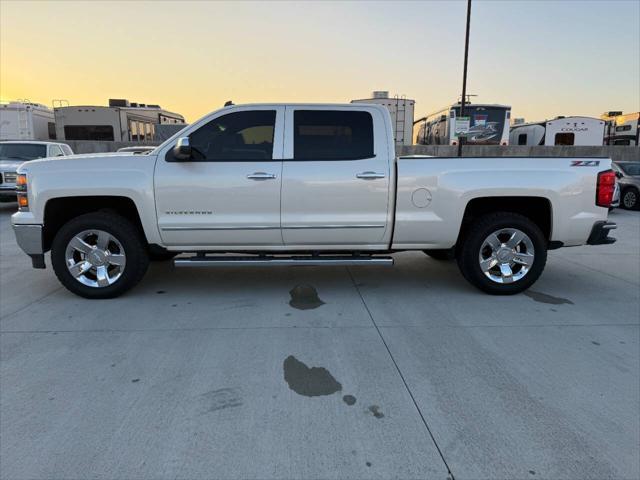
{"points": [[303, 184]]}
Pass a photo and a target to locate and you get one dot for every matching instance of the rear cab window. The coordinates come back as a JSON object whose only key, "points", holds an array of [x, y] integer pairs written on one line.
{"points": [[332, 135]]}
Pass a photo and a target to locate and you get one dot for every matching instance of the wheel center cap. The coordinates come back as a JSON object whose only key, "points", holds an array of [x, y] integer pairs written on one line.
{"points": [[97, 257], [504, 255]]}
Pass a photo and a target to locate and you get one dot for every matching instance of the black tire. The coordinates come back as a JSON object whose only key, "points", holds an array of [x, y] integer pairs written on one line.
{"points": [[469, 252], [630, 199], [441, 254], [137, 259]]}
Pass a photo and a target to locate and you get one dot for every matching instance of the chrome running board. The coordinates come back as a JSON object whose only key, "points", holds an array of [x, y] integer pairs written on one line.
{"points": [[279, 261]]}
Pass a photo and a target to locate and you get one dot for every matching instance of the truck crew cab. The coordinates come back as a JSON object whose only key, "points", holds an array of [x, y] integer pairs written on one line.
{"points": [[304, 184]]}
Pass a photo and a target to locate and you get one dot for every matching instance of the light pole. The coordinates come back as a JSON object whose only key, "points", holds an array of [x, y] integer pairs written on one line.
{"points": [[461, 139]]}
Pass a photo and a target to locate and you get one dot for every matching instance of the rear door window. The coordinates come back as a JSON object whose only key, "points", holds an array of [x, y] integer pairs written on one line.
{"points": [[332, 135]]}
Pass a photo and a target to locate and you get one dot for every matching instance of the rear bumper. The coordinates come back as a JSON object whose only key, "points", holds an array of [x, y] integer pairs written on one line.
{"points": [[29, 238], [600, 233]]}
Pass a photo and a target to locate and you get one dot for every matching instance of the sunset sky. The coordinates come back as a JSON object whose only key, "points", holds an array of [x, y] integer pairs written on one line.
{"points": [[545, 58]]}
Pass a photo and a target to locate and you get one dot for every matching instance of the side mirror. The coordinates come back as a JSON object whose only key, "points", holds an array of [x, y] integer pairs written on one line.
{"points": [[618, 174], [182, 150]]}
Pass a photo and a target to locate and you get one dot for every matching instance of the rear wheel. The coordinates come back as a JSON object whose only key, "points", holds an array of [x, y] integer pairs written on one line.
{"points": [[630, 199], [99, 255], [502, 253]]}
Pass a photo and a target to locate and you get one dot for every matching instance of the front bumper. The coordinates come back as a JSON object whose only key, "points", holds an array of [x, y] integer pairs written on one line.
{"points": [[29, 238], [600, 233]]}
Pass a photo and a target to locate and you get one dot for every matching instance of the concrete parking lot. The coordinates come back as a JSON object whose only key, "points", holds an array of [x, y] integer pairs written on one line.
{"points": [[337, 373]]}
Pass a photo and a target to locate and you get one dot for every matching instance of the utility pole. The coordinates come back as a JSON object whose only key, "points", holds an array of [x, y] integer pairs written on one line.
{"points": [[462, 138]]}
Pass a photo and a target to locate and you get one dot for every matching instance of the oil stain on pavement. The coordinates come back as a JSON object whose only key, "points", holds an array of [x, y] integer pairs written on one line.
{"points": [[304, 297], [349, 400], [545, 298], [375, 411], [220, 399], [309, 382]]}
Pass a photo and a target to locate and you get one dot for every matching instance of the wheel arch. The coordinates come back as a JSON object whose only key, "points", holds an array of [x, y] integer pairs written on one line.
{"points": [[537, 209], [60, 210]]}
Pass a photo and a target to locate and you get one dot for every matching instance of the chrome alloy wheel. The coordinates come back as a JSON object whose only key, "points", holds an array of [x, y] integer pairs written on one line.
{"points": [[95, 258], [506, 255], [629, 199]]}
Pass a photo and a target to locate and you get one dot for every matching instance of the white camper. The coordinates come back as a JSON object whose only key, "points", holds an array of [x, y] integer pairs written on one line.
{"points": [[559, 131], [482, 124], [401, 110], [24, 120], [621, 129], [120, 121]]}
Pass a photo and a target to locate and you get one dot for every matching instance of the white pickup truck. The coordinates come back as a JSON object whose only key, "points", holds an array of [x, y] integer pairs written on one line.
{"points": [[303, 184]]}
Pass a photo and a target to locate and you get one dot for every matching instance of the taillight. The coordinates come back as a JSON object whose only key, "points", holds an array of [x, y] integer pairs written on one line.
{"points": [[605, 188]]}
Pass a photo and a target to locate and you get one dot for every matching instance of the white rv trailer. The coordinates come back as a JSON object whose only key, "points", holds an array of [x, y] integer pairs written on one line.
{"points": [[24, 120], [482, 124], [401, 110], [621, 129], [120, 121], [559, 131]]}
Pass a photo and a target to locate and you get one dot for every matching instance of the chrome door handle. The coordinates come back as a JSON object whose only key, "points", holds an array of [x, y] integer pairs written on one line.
{"points": [[370, 175], [261, 176]]}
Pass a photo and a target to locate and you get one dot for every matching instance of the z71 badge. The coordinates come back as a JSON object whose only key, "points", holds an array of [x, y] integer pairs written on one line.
{"points": [[585, 163]]}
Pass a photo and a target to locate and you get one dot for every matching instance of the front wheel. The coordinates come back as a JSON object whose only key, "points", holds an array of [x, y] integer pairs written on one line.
{"points": [[99, 255], [502, 253]]}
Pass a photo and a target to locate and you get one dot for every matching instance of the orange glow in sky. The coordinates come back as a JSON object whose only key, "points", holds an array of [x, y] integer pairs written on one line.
{"points": [[543, 58]]}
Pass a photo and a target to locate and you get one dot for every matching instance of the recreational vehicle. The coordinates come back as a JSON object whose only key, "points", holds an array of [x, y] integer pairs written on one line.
{"points": [[559, 131], [622, 129], [482, 124], [120, 121], [24, 120], [401, 110]]}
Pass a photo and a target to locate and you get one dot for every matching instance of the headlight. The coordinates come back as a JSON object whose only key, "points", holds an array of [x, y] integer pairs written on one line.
{"points": [[10, 177]]}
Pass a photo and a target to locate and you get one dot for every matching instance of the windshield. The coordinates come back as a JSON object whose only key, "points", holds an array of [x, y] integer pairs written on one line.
{"points": [[486, 124], [631, 169], [22, 151]]}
